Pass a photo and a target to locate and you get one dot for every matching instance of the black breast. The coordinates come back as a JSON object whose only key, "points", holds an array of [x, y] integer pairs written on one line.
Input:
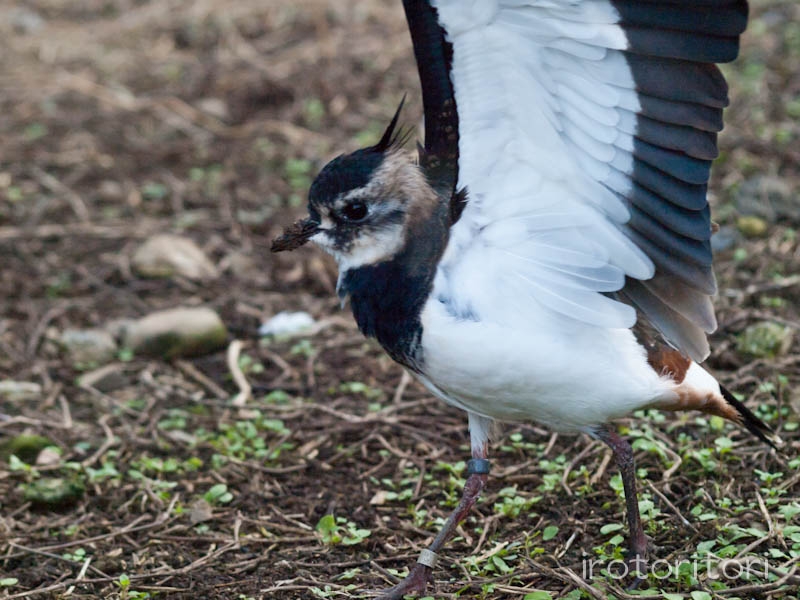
{"points": [[387, 298]]}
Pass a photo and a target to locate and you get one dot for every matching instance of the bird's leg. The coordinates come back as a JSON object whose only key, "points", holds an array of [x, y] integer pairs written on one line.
{"points": [[421, 573], [623, 454]]}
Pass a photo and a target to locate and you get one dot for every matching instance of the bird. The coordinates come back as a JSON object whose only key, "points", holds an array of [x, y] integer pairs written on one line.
{"points": [[546, 255]]}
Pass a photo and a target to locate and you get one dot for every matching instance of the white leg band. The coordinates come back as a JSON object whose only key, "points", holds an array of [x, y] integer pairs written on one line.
{"points": [[428, 558]]}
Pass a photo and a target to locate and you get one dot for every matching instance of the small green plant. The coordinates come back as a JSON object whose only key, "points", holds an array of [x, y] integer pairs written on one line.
{"points": [[538, 596], [218, 494], [248, 364], [78, 555], [338, 530], [501, 561], [511, 504], [106, 471], [125, 593]]}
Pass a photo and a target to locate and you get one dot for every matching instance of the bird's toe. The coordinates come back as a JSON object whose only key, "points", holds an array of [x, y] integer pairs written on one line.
{"points": [[415, 582]]}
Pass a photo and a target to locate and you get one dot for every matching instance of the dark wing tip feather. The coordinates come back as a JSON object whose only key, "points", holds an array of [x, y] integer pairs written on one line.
{"points": [[672, 49]]}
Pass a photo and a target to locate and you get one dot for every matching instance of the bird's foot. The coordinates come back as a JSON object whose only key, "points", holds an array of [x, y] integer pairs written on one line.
{"points": [[637, 561], [416, 581], [637, 569]]}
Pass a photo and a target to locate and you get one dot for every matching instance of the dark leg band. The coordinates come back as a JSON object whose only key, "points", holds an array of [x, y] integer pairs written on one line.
{"points": [[478, 466]]}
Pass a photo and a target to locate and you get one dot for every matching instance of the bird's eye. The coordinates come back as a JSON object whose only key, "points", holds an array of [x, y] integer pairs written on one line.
{"points": [[354, 211]]}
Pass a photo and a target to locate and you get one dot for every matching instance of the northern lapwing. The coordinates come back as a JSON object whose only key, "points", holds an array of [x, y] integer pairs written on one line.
{"points": [[547, 258]]}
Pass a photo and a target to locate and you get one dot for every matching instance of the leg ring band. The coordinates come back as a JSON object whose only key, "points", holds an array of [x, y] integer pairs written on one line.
{"points": [[429, 558], [478, 466]]}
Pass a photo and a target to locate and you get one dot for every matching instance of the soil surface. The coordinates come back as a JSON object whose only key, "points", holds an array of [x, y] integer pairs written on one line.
{"points": [[122, 119]]}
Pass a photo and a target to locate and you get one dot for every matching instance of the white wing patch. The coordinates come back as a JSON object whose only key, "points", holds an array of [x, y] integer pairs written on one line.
{"points": [[546, 106]]}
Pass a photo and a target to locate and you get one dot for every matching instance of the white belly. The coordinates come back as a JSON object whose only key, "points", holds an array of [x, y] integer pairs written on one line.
{"points": [[567, 376]]}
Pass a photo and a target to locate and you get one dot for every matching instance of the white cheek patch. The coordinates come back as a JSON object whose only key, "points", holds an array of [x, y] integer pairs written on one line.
{"points": [[372, 247], [322, 240], [366, 249]]}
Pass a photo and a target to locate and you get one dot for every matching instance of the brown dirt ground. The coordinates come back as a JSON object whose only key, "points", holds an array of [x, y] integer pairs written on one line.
{"points": [[123, 118]]}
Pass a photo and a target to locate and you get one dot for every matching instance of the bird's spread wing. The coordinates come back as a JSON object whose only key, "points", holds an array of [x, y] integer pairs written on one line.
{"points": [[586, 130]]}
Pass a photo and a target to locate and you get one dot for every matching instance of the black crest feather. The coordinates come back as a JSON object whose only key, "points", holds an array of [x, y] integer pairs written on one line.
{"points": [[393, 137]]}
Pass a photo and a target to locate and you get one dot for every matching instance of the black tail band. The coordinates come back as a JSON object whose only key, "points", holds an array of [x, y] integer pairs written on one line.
{"points": [[751, 422]]}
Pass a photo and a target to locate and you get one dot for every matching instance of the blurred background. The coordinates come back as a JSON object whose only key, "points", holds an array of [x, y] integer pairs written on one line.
{"points": [[149, 152]]}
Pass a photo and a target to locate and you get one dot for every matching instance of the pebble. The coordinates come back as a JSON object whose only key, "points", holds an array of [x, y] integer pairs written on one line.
{"points": [[88, 346], [752, 226], [726, 238], [177, 333], [166, 255], [19, 390], [24, 20], [768, 197]]}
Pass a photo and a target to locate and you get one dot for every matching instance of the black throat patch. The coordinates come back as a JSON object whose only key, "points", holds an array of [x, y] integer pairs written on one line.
{"points": [[387, 298]]}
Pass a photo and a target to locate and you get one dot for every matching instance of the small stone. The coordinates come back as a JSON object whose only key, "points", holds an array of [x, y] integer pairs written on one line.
{"points": [[752, 226], [768, 197], [48, 456], [216, 107], [166, 255], [287, 324], [240, 265], [53, 491], [177, 332], [765, 340], [200, 511], [16, 391], [24, 447], [88, 346], [25, 20], [379, 498], [726, 238], [110, 190]]}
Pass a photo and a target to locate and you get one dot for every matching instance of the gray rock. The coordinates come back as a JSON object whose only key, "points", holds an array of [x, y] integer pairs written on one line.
{"points": [[19, 390], [177, 332], [241, 265], [726, 238], [88, 346], [216, 107], [166, 255], [110, 190], [768, 197], [25, 20]]}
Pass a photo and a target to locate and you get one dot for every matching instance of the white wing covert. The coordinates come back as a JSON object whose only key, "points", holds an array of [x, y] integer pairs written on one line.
{"points": [[586, 134]]}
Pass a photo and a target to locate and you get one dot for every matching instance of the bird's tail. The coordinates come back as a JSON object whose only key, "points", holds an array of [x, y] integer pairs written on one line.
{"points": [[751, 422], [699, 390]]}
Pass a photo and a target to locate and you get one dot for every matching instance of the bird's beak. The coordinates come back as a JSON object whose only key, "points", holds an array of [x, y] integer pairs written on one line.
{"points": [[295, 235]]}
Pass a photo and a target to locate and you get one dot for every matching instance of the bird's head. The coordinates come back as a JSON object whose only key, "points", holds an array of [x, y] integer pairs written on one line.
{"points": [[360, 205]]}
